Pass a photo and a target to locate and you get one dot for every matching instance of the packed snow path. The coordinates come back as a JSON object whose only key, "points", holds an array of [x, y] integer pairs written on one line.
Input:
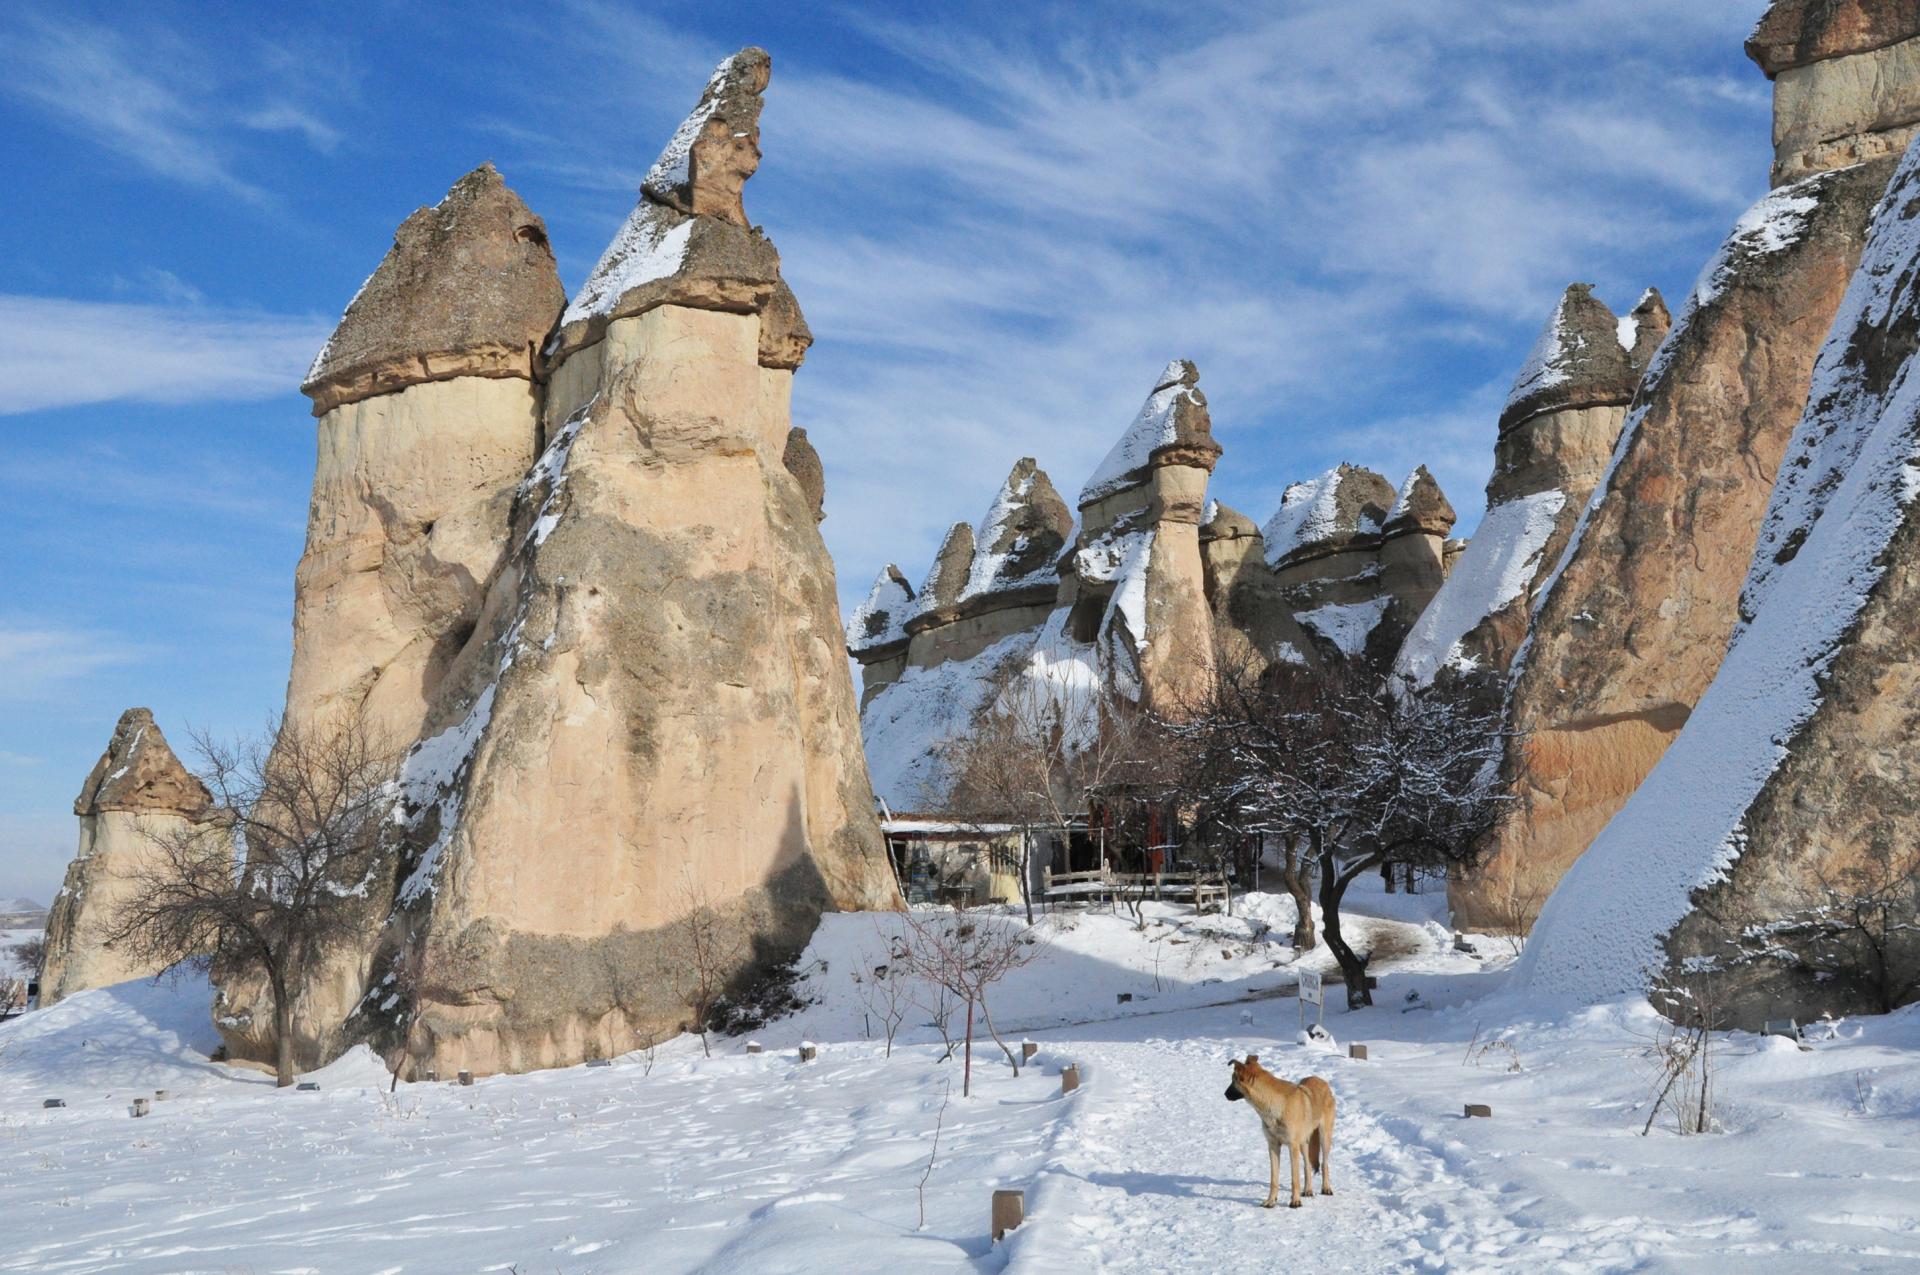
{"points": [[759, 1162]]}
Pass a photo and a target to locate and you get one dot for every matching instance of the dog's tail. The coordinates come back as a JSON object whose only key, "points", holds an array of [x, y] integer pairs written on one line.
{"points": [[1315, 1150]]}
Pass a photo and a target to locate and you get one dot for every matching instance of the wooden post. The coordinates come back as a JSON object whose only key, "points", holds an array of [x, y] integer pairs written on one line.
{"points": [[141, 1106], [308, 1086], [466, 1077], [753, 1047], [809, 1051], [1009, 1210], [1069, 1078], [1357, 1052], [54, 1102], [1478, 1109], [161, 1095], [1027, 1050], [432, 1075]]}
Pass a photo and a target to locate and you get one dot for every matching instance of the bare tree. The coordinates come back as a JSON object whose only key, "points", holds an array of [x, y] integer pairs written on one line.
{"points": [[1349, 775], [1036, 760], [31, 955], [709, 952], [1516, 897], [1681, 1050], [278, 874], [885, 990], [964, 954], [1863, 926]]}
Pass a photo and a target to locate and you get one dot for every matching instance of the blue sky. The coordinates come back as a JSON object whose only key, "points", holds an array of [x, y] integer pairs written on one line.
{"points": [[1002, 220]]}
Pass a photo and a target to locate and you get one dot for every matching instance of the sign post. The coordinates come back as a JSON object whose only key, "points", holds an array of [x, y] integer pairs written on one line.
{"points": [[1311, 993]]}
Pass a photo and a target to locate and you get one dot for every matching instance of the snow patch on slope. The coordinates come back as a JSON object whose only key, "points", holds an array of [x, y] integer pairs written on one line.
{"points": [[1855, 450], [1493, 570], [908, 721], [1347, 624], [652, 244], [889, 602]]}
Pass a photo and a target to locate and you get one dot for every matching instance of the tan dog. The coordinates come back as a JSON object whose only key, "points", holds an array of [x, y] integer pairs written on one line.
{"points": [[1298, 1117]]}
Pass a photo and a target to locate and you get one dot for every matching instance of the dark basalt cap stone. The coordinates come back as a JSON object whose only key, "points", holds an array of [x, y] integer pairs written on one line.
{"points": [[1421, 507], [468, 289], [1578, 361], [1799, 32], [140, 772], [804, 464]]}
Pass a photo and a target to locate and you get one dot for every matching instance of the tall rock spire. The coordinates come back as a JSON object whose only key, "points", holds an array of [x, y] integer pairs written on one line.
{"points": [[1846, 81], [429, 413], [137, 801], [657, 688]]}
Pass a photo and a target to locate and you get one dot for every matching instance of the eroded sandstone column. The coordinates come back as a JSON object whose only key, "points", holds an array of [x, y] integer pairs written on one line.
{"points": [[1846, 81], [428, 402], [137, 801], [1634, 620], [1789, 798], [654, 714]]}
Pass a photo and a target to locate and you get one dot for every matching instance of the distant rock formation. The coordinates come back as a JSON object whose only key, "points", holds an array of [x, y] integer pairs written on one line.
{"points": [[1156, 581], [1556, 433], [429, 414], [1846, 81], [656, 690], [1797, 766], [137, 795], [1630, 627]]}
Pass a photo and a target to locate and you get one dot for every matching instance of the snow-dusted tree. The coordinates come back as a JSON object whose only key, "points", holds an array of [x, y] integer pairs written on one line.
{"points": [[280, 874], [31, 955], [964, 954], [1349, 776], [1037, 758], [883, 984]]}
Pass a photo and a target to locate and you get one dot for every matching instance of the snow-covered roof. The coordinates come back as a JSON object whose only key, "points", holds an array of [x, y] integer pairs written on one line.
{"points": [[1847, 484], [1156, 425], [1494, 569]]}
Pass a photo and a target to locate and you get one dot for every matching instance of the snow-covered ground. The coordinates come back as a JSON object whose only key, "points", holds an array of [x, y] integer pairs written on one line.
{"points": [[760, 1162]]}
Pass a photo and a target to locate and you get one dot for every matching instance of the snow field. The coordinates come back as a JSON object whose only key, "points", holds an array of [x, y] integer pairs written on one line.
{"points": [[759, 1162]]}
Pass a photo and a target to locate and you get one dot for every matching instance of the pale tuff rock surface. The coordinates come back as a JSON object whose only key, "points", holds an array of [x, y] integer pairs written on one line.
{"points": [[1846, 81], [653, 709], [1553, 446], [947, 578], [1630, 628], [468, 289], [1801, 757], [413, 489], [688, 241], [136, 793]]}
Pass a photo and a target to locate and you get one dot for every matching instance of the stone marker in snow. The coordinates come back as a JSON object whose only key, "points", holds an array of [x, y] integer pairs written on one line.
{"points": [[1357, 1052], [141, 1106], [1009, 1210], [466, 1077], [54, 1102], [808, 1051], [1478, 1109], [308, 1086], [1069, 1078], [599, 1062], [1028, 1049], [754, 1047]]}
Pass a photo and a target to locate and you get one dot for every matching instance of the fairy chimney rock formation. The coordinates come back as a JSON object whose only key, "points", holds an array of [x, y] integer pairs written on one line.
{"points": [[1137, 586], [429, 415], [1789, 796], [657, 685], [1631, 622], [1555, 437], [137, 800], [1846, 81], [1354, 561]]}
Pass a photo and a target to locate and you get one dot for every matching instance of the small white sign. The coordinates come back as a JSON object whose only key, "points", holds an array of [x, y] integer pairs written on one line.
{"points": [[1310, 993]]}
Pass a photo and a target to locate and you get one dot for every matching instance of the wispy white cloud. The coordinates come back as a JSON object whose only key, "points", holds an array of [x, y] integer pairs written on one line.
{"points": [[38, 659], [156, 100], [62, 353]]}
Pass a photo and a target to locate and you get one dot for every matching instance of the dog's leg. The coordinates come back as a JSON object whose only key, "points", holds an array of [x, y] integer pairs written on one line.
{"points": [[1296, 1153], [1273, 1174], [1326, 1157]]}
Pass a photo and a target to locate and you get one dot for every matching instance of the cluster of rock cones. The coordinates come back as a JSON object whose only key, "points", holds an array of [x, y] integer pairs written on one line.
{"points": [[565, 553]]}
